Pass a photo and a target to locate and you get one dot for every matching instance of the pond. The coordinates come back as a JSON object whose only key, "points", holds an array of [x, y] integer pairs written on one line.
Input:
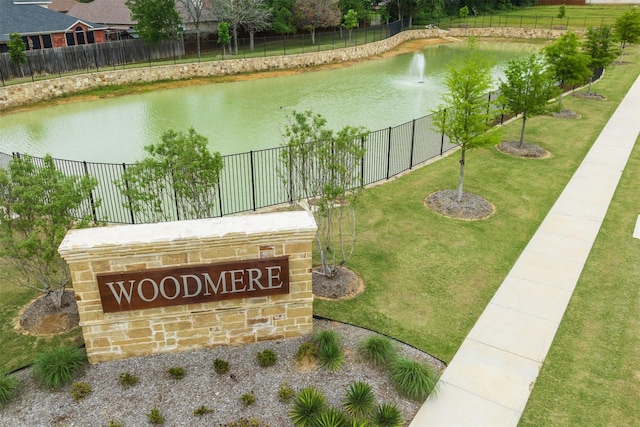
{"points": [[245, 115]]}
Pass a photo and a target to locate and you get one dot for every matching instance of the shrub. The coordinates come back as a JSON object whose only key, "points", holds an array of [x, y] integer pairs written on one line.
{"points": [[266, 358], [127, 380], [306, 405], [307, 350], [248, 399], [57, 366], [80, 390], [155, 416], [285, 393], [331, 417], [8, 387], [331, 356], [176, 373], [221, 366], [245, 422], [413, 379], [387, 415], [203, 410], [359, 400], [324, 338], [378, 350], [115, 423]]}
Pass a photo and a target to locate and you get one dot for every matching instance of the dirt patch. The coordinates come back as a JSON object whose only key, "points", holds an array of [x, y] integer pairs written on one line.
{"points": [[470, 207], [527, 150], [345, 285], [40, 317], [566, 114], [591, 95]]}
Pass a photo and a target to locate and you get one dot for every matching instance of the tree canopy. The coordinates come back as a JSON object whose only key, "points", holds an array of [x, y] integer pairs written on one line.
{"points": [[156, 20], [568, 63], [17, 54], [312, 14], [627, 28]]}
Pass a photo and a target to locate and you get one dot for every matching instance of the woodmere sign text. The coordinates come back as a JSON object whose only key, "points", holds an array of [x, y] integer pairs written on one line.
{"points": [[135, 290]]}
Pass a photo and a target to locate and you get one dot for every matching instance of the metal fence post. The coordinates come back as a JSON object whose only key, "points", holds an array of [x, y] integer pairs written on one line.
{"points": [[253, 181], [91, 200], [362, 160], [413, 133], [126, 185], [444, 118], [389, 155]]}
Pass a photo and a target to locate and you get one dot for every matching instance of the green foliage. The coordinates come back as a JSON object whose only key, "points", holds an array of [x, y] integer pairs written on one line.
{"points": [[115, 423], [221, 366], [350, 21], [176, 372], [127, 380], [224, 36], [359, 399], [527, 89], [155, 416], [285, 393], [306, 351], [413, 379], [80, 390], [246, 422], [562, 12], [180, 167], [331, 417], [248, 399], [155, 20], [627, 28], [266, 358], [8, 387], [282, 17], [320, 168], [325, 338], [464, 12], [202, 410], [328, 348], [38, 206], [16, 46], [599, 46], [56, 367], [568, 64], [378, 349], [464, 117], [307, 404], [387, 415]]}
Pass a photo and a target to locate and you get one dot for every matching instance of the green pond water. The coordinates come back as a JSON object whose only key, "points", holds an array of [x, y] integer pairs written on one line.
{"points": [[243, 116]]}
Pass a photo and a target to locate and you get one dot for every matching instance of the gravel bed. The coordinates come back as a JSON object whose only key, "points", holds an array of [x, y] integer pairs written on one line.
{"points": [[177, 399]]}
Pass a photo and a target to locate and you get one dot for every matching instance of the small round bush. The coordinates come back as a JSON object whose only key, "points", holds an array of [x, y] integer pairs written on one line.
{"points": [[176, 373], [221, 366], [127, 380], [387, 415], [57, 366], [155, 416], [8, 387], [306, 405], [285, 393], [266, 358], [359, 400], [377, 349], [248, 399], [413, 379], [80, 390], [307, 350], [331, 417], [331, 357]]}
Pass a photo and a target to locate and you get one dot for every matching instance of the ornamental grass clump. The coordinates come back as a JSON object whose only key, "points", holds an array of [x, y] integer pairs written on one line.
{"points": [[330, 353], [359, 400], [413, 379], [378, 350], [331, 417], [307, 404], [8, 387], [387, 415], [56, 367]]}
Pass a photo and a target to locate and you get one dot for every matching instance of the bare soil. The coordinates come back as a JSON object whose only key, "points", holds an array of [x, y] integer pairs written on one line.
{"points": [[345, 285], [527, 150], [471, 207], [40, 316]]}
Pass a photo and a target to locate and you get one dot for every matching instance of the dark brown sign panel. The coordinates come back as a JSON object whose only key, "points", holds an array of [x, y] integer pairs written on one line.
{"points": [[135, 290]]}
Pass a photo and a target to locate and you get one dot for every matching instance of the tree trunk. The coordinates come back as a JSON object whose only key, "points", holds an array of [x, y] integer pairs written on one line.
{"points": [[56, 297], [461, 178], [589, 87], [313, 36], [524, 120], [198, 43], [251, 38], [235, 39]]}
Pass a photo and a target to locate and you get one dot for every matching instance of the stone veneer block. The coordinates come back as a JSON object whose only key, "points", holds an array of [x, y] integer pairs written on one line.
{"points": [[127, 248]]}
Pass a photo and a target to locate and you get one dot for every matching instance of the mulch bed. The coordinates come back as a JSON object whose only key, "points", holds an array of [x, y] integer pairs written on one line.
{"points": [[345, 285], [527, 150], [41, 317], [471, 207]]}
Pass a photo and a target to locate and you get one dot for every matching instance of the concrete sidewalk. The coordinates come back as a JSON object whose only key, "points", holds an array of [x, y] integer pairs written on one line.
{"points": [[490, 378]]}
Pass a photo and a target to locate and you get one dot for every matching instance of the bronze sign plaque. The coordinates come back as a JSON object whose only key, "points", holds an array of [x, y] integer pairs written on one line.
{"points": [[135, 290]]}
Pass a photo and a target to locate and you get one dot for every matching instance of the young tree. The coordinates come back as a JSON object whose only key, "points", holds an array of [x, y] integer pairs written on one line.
{"points": [[350, 21], [562, 12], [527, 89], [312, 14], [464, 117], [17, 53], [38, 206], [224, 38], [320, 169], [599, 47], [252, 14], [627, 29], [194, 9], [156, 20], [569, 65], [180, 175], [282, 21], [258, 17]]}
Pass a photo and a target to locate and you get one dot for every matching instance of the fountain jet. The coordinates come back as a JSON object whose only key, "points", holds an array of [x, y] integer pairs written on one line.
{"points": [[417, 66]]}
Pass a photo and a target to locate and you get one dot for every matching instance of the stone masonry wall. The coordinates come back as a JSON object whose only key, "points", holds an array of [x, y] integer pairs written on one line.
{"points": [[110, 249], [15, 95]]}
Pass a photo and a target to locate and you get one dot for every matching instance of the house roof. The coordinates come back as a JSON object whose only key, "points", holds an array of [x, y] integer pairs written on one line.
{"points": [[34, 19], [62, 5], [107, 12]]}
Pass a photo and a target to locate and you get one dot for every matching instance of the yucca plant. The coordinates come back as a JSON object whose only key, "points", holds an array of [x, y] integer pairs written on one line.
{"points": [[331, 357], [359, 400], [413, 379], [306, 405], [57, 366], [8, 387], [378, 349], [387, 415], [357, 422], [331, 417], [326, 337]]}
